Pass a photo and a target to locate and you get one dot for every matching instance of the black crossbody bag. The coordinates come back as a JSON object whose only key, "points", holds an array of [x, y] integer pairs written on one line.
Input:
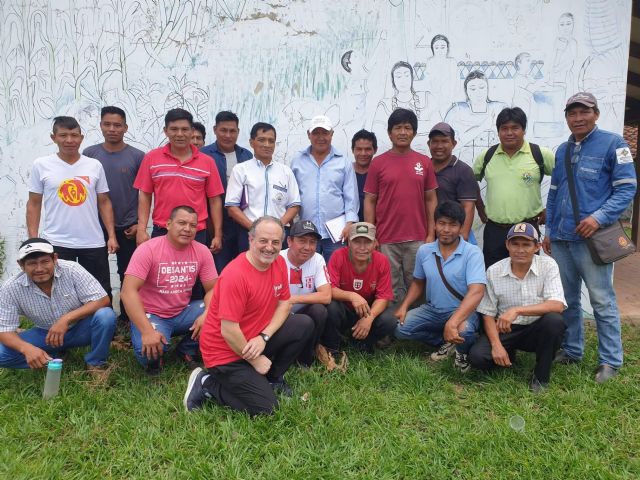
{"points": [[607, 244], [452, 290]]}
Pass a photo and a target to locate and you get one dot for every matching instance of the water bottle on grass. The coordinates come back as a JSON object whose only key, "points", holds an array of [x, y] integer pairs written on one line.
{"points": [[52, 382]]}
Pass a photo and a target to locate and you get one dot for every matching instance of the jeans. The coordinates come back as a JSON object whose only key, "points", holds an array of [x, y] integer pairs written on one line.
{"points": [[326, 247], [169, 327], [340, 319], [575, 263], [426, 324], [96, 330]]}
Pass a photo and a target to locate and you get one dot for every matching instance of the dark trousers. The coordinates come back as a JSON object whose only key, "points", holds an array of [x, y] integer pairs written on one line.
{"points": [[494, 238], [318, 315], [123, 257], [239, 386], [229, 251], [94, 260], [543, 337], [197, 292], [340, 320]]}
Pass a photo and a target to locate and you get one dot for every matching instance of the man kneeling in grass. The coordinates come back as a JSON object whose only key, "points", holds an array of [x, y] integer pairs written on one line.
{"points": [[522, 308], [67, 305], [249, 340], [451, 274]]}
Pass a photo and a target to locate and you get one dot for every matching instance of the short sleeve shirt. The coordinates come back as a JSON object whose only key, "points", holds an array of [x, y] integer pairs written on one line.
{"points": [[247, 296], [70, 199], [464, 267], [173, 183], [120, 169], [372, 284], [456, 182], [169, 274], [400, 181], [307, 278]]}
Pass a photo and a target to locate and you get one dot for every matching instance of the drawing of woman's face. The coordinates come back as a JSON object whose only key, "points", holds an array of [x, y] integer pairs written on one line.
{"points": [[565, 26], [477, 90], [402, 79], [440, 48]]}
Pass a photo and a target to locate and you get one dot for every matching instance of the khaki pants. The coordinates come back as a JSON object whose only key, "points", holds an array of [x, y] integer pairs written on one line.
{"points": [[402, 257]]}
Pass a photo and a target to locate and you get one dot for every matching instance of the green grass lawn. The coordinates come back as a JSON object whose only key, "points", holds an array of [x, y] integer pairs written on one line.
{"points": [[393, 415]]}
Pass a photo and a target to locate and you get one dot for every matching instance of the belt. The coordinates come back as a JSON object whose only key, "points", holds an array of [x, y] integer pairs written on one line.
{"points": [[532, 220]]}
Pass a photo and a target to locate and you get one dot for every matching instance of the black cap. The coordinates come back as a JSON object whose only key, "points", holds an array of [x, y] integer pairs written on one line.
{"points": [[304, 227], [443, 129]]}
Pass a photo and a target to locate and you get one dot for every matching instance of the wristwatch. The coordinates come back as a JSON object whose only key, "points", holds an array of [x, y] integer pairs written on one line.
{"points": [[265, 337]]}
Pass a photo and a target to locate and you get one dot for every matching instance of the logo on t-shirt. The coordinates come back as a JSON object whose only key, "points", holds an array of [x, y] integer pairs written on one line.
{"points": [[176, 277], [419, 169], [72, 191], [277, 290], [357, 283]]}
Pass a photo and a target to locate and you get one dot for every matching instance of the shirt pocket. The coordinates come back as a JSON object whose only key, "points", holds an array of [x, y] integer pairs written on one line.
{"points": [[589, 168], [279, 195]]}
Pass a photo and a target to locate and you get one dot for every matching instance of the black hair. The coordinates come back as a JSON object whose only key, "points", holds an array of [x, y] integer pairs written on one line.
{"points": [[450, 209], [69, 123], [364, 135], [266, 127], [226, 116], [186, 208], [200, 127], [402, 115], [439, 37], [35, 255], [176, 114], [113, 110], [515, 114]]}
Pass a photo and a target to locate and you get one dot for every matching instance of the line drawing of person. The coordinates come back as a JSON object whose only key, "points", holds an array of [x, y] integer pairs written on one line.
{"points": [[524, 83], [565, 53], [474, 119], [441, 73], [404, 96]]}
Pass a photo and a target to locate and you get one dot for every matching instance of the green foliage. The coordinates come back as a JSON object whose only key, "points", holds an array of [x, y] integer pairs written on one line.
{"points": [[392, 416]]}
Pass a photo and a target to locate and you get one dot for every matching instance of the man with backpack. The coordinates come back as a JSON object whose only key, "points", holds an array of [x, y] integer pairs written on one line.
{"points": [[513, 170]]}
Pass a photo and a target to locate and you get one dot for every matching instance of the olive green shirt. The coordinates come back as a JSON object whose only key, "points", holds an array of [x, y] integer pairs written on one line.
{"points": [[513, 183]]}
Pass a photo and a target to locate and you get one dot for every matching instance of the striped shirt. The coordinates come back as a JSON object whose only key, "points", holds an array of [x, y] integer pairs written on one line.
{"points": [[505, 290], [72, 287]]}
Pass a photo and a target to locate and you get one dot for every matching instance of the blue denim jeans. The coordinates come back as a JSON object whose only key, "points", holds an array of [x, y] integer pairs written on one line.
{"points": [[169, 327], [575, 264], [426, 324], [96, 330], [326, 247]]}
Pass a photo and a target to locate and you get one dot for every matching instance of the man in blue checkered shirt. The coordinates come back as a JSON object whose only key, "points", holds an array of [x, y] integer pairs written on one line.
{"points": [[68, 307]]}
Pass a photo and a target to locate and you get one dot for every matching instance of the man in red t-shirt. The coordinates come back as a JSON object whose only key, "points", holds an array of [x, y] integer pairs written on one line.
{"points": [[400, 199], [249, 339], [157, 288], [361, 290]]}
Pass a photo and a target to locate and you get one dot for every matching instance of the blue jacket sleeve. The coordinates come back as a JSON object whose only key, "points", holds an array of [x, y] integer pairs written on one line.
{"points": [[350, 193]]}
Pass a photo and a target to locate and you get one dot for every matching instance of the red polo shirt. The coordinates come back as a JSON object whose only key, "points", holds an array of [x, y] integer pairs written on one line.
{"points": [[173, 183]]}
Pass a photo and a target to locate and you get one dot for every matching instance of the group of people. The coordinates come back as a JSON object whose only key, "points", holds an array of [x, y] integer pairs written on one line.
{"points": [[377, 250]]}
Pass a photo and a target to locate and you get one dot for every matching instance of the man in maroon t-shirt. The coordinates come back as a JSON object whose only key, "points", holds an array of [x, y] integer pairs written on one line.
{"points": [[249, 339], [361, 290], [400, 198]]}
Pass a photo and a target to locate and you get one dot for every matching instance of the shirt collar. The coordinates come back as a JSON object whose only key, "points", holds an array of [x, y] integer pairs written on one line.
{"points": [[332, 153], [525, 148], [572, 138], [194, 152], [27, 282], [260, 164], [534, 268], [457, 251]]}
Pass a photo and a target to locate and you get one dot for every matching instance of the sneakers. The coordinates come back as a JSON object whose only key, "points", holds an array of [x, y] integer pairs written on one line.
{"points": [[195, 395], [462, 362], [445, 351], [605, 372], [564, 359], [282, 387]]}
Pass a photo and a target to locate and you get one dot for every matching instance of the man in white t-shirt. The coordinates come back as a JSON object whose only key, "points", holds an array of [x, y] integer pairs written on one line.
{"points": [[308, 282], [74, 191], [261, 186]]}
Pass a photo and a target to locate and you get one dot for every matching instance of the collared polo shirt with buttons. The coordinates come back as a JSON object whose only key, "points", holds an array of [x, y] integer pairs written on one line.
{"points": [[505, 290], [513, 183], [174, 183], [73, 287], [464, 267], [260, 189]]}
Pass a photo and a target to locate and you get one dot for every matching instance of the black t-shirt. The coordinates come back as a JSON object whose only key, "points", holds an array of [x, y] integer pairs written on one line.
{"points": [[361, 178]]}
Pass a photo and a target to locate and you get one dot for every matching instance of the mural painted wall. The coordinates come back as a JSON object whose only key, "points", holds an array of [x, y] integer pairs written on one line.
{"points": [[284, 61]]}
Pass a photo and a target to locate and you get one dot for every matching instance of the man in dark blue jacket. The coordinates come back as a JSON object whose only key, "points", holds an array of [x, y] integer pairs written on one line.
{"points": [[227, 153], [605, 182]]}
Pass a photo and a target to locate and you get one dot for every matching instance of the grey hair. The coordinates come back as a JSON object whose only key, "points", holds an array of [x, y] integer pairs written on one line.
{"points": [[266, 218]]}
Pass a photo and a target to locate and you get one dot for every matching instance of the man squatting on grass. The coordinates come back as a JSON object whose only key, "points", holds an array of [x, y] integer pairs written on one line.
{"points": [[249, 339]]}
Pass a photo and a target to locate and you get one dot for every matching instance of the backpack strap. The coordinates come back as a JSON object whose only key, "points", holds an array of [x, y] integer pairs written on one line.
{"points": [[487, 157], [537, 156]]}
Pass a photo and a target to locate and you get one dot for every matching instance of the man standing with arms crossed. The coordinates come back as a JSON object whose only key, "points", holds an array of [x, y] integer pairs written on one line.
{"points": [[121, 163]]}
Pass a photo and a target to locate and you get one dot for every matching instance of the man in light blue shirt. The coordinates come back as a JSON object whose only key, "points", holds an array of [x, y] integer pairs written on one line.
{"points": [[327, 183], [448, 319]]}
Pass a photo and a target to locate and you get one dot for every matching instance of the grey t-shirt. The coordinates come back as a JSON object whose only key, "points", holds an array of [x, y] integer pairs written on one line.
{"points": [[120, 169]]}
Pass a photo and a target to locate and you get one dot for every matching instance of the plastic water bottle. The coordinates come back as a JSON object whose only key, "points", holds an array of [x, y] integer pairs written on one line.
{"points": [[52, 382]]}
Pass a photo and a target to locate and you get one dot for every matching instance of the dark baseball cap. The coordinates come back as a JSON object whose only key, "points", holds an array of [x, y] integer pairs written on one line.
{"points": [[443, 129], [583, 98], [304, 227], [524, 230]]}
